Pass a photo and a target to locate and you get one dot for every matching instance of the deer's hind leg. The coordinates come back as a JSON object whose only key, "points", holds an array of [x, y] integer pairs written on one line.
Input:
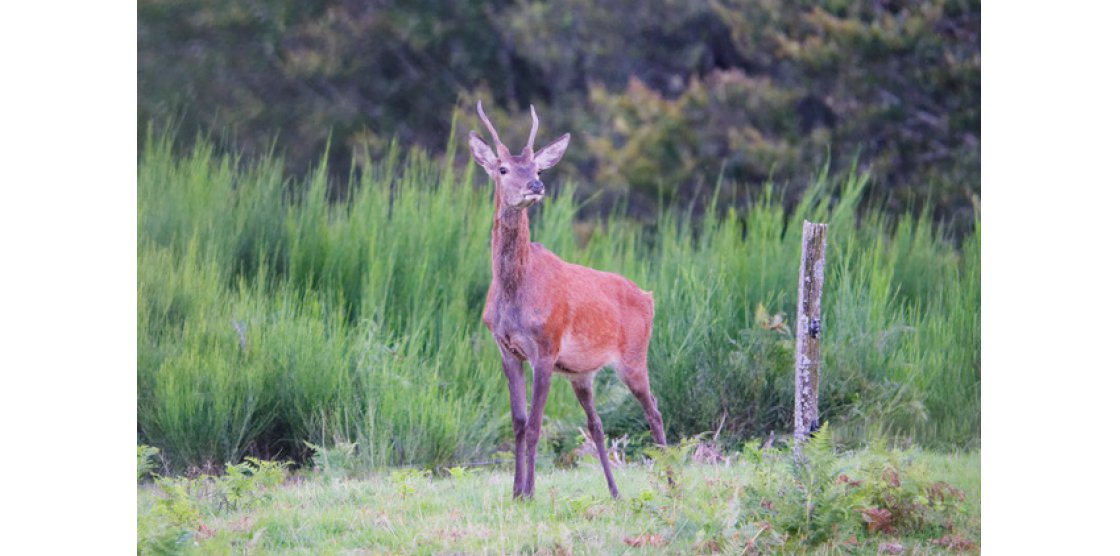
{"points": [[582, 388], [635, 374]]}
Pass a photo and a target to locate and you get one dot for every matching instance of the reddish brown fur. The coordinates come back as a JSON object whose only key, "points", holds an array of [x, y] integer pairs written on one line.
{"points": [[558, 316]]}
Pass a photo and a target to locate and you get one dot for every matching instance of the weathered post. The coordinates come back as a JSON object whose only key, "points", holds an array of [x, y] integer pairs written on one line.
{"points": [[807, 360]]}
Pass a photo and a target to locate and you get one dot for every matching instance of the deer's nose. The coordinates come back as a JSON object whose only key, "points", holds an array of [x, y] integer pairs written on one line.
{"points": [[536, 187]]}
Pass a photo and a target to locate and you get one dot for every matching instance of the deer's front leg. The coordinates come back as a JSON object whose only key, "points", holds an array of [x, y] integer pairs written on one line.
{"points": [[515, 375], [542, 381]]}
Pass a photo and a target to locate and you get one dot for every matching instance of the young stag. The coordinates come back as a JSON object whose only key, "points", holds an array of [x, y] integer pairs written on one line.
{"points": [[562, 318]]}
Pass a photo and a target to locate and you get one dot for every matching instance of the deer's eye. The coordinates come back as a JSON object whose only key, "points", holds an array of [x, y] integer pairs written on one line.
{"points": [[503, 170]]}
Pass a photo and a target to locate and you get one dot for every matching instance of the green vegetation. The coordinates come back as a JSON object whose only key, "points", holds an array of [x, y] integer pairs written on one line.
{"points": [[683, 92], [759, 501], [271, 316], [313, 375]]}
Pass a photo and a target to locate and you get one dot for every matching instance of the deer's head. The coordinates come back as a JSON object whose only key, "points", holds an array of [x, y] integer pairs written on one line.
{"points": [[517, 177]]}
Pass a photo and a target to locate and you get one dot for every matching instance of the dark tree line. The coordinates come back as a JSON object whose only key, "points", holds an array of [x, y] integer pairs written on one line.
{"points": [[661, 97]]}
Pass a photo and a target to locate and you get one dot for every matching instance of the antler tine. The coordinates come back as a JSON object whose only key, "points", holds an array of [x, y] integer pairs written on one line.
{"points": [[533, 131], [493, 133]]}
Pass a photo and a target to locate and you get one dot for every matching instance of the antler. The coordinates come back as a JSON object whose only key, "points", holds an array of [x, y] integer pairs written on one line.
{"points": [[502, 150], [532, 132]]}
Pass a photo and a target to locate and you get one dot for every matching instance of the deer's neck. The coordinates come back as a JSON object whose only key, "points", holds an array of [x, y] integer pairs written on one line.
{"points": [[509, 246]]}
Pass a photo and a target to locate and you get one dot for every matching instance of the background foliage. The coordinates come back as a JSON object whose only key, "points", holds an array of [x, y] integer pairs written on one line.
{"points": [[662, 97]]}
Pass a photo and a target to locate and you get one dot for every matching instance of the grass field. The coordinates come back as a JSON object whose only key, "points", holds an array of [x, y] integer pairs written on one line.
{"points": [[272, 312], [755, 502], [340, 327]]}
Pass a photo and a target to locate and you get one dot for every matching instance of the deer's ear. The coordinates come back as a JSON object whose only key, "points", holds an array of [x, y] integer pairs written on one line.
{"points": [[550, 155], [482, 153]]}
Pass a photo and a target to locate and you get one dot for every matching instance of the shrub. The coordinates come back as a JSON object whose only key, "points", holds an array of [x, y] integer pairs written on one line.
{"points": [[145, 461]]}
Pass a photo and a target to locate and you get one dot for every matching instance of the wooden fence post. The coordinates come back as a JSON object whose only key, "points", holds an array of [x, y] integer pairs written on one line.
{"points": [[807, 360]]}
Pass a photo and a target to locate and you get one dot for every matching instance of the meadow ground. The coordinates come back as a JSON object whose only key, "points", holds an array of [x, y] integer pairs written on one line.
{"points": [[870, 501]]}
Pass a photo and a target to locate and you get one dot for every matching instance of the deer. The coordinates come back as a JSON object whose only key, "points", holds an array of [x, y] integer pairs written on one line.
{"points": [[561, 318]]}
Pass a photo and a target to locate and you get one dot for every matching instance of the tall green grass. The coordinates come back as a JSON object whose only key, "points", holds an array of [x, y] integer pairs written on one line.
{"points": [[269, 315]]}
